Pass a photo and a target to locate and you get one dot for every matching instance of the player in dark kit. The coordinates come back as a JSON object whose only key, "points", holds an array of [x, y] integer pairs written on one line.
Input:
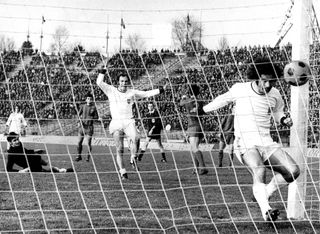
{"points": [[29, 160], [153, 126], [194, 131], [227, 136], [87, 114]]}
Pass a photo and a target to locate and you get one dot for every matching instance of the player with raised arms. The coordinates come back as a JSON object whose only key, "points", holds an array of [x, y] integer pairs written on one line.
{"points": [[256, 103], [121, 99]]}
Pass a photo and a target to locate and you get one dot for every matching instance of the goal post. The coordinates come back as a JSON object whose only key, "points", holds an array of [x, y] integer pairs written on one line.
{"points": [[299, 109]]}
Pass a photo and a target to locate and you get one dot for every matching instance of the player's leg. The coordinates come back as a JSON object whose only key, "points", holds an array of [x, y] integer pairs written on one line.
{"points": [[231, 155], [253, 160], [118, 137], [193, 149], [222, 145], [230, 141], [89, 133], [144, 148], [163, 155], [133, 139], [79, 145], [197, 155], [89, 138], [285, 170]]}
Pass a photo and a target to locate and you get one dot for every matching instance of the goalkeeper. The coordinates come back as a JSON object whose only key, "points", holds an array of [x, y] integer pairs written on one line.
{"points": [[29, 160], [256, 102], [121, 99]]}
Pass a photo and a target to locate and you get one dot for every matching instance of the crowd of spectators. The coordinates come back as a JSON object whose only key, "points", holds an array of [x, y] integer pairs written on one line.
{"points": [[52, 86], [8, 61]]}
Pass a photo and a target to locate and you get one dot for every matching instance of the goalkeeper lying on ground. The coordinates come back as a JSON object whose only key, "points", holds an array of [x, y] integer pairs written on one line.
{"points": [[29, 160]]}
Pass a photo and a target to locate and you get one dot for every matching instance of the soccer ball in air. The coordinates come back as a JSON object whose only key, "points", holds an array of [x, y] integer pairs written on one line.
{"points": [[297, 73]]}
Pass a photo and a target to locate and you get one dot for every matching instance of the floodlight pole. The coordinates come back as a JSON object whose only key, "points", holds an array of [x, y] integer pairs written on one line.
{"points": [[41, 37], [120, 37], [299, 109]]}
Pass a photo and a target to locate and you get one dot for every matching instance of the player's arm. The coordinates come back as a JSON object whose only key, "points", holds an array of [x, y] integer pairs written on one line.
{"points": [[279, 115], [146, 94], [95, 114], [218, 102], [104, 86], [10, 164]]}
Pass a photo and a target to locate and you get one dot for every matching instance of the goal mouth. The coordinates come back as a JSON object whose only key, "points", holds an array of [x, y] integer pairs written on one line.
{"points": [[175, 171]]}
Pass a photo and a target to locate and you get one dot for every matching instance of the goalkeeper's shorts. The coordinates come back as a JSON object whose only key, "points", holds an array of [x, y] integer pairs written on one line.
{"points": [[86, 130]]}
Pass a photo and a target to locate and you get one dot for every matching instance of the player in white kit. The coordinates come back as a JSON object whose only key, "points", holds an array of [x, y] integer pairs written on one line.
{"points": [[121, 100], [256, 103], [16, 123]]}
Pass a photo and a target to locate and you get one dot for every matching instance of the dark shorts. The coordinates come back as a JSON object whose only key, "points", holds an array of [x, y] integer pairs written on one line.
{"points": [[86, 130], [227, 138], [194, 131], [156, 135], [35, 163]]}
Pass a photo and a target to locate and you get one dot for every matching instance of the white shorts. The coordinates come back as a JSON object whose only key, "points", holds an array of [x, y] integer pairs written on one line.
{"points": [[128, 126], [265, 150]]}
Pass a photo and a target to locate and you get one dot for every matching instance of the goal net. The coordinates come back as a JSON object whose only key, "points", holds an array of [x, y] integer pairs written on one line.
{"points": [[162, 197]]}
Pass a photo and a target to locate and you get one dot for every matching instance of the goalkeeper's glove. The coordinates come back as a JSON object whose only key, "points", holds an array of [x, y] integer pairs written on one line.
{"points": [[24, 170], [102, 70], [286, 121], [39, 151]]}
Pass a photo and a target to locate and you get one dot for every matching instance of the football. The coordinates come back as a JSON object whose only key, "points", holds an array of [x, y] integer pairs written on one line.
{"points": [[168, 127], [297, 73]]}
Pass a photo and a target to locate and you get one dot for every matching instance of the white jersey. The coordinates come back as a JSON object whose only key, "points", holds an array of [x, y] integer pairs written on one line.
{"points": [[15, 122], [121, 102], [253, 112]]}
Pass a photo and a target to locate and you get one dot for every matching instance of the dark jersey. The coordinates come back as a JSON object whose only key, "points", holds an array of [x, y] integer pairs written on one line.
{"points": [[227, 124], [194, 111], [23, 158], [87, 114], [153, 120]]}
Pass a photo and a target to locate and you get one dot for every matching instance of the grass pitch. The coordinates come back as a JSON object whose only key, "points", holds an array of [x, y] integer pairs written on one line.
{"points": [[160, 198]]}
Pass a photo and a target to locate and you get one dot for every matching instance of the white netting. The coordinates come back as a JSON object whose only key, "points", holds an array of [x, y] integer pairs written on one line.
{"points": [[160, 197]]}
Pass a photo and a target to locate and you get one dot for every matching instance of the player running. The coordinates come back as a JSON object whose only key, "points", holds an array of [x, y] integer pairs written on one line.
{"points": [[121, 100], [256, 102]]}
